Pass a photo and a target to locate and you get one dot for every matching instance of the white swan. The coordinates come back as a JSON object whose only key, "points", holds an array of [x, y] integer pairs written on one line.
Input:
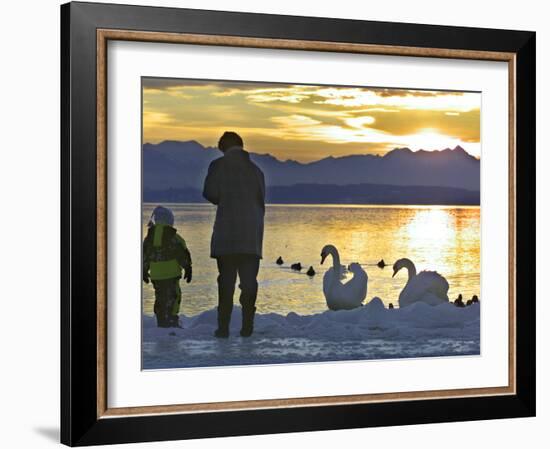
{"points": [[340, 296], [427, 286]]}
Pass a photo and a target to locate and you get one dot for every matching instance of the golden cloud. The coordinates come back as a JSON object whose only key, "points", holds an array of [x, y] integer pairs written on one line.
{"points": [[334, 119]]}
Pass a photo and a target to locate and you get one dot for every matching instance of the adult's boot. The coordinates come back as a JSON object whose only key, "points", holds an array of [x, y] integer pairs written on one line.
{"points": [[248, 321], [223, 324]]}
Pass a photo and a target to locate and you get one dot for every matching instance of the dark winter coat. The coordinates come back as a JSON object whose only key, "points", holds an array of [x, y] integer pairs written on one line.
{"points": [[237, 186]]}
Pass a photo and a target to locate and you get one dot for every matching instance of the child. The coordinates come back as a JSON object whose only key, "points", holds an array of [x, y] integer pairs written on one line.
{"points": [[165, 254]]}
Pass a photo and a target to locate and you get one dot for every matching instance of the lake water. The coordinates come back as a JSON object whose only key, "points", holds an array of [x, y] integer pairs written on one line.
{"points": [[441, 238]]}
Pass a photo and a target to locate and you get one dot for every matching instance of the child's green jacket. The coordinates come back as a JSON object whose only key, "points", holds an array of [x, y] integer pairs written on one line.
{"points": [[164, 253]]}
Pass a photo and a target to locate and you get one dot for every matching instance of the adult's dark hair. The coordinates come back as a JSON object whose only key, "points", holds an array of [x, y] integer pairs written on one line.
{"points": [[230, 139]]}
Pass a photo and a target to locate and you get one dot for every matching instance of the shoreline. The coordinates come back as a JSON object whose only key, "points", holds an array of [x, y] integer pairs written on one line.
{"points": [[331, 205], [371, 332]]}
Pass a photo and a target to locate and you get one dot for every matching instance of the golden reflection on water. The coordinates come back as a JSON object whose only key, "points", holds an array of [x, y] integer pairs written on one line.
{"points": [[441, 238]]}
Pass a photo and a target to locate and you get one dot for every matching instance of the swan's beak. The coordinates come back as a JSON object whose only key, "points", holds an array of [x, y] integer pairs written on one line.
{"points": [[323, 257], [394, 273]]}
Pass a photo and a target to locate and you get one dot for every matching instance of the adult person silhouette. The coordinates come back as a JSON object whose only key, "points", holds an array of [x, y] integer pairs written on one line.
{"points": [[237, 187]]}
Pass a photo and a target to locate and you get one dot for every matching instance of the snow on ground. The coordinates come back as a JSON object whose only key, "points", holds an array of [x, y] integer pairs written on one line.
{"points": [[369, 332]]}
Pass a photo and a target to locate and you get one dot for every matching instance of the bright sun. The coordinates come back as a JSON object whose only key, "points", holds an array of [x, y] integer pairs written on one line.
{"points": [[431, 139]]}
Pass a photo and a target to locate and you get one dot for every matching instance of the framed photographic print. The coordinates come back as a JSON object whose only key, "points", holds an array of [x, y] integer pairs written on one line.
{"points": [[279, 224]]}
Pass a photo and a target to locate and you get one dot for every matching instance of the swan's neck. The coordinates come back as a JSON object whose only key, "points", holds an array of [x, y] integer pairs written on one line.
{"points": [[335, 260], [410, 268]]}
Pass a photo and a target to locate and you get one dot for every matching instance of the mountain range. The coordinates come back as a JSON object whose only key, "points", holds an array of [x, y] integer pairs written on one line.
{"points": [[178, 169]]}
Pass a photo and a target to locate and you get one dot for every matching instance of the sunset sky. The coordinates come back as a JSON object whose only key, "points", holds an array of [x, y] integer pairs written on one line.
{"points": [[309, 122]]}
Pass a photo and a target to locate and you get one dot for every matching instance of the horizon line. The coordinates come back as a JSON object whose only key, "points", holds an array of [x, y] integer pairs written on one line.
{"points": [[352, 205]]}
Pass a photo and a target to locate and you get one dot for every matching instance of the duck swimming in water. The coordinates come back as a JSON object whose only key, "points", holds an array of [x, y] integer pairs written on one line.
{"points": [[279, 261], [296, 266], [310, 272]]}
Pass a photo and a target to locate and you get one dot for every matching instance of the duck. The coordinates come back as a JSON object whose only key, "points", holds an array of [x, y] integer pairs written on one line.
{"points": [[390, 306], [458, 301], [475, 299], [310, 272], [339, 295], [381, 264], [427, 286], [279, 261], [296, 266]]}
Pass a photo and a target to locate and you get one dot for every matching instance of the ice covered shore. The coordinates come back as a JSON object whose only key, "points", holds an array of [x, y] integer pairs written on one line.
{"points": [[369, 332]]}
